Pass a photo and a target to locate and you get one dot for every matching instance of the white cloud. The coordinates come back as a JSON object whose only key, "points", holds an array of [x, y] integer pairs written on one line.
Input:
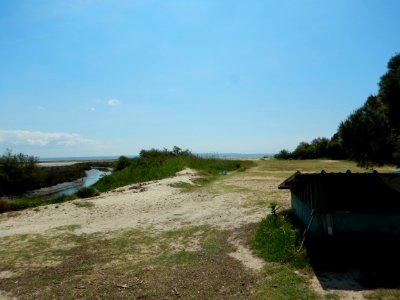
{"points": [[39, 138], [113, 102]]}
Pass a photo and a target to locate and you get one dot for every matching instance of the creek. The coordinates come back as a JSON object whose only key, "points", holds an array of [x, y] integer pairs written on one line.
{"points": [[68, 188]]}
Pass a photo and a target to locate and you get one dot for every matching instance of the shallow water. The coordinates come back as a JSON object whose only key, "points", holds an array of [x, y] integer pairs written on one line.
{"points": [[92, 176], [68, 188]]}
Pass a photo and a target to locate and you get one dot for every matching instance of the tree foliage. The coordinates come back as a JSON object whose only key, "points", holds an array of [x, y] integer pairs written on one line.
{"points": [[122, 163], [370, 135], [318, 148], [365, 135], [18, 173]]}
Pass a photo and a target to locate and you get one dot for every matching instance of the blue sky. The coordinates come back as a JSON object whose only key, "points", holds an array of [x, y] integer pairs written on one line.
{"points": [[85, 78]]}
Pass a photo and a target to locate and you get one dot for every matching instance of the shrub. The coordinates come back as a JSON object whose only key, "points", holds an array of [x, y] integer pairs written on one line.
{"points": [[87, 192], [4, 205], [18, 172], [277, 240], [85, 204], [122, 163]]}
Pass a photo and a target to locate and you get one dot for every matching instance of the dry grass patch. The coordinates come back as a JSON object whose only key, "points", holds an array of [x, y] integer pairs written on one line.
{"points": [[189, 263]]}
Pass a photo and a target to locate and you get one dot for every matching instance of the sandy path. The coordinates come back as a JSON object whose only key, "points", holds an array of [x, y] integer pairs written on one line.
{"points": [[155, 205]]}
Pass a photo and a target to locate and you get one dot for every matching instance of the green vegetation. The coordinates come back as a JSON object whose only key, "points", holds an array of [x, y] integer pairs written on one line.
{"points": [[23, 203], [122, 163], [318, 148], [157, 164], [150, 165], [285, 284], [87, 192], [19, 173], [370, 135], [277, 240], [85, 204]]}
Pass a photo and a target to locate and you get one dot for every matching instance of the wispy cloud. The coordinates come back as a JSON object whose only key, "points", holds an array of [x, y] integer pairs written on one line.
{"points": [[39, 138], [113, 102]]}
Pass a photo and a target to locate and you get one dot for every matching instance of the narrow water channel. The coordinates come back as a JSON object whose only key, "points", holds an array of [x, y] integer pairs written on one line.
{"points": [[92, 176], [68, 188]]}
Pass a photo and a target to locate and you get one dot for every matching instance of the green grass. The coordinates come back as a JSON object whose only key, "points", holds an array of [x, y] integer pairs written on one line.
{"points": [[17, 204], [277, 240], [284, 284], [85, 204], [161, 165], [276, 166]]}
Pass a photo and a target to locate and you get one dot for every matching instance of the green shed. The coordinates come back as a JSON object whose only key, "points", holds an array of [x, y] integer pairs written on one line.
{"points": [[346, 204]]}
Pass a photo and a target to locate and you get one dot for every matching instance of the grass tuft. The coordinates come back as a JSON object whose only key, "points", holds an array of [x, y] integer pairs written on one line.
{"points": [[87, 192], [277, 240], [85, 204]]}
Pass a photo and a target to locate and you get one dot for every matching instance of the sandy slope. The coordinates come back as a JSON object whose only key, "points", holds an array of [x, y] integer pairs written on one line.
{"points": [[153, 205]]}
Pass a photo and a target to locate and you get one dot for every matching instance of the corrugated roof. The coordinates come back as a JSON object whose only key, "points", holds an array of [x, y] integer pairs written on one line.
{"points": [[390, 179]]}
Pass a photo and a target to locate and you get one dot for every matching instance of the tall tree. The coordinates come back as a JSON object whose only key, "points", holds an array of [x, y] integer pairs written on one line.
{"points": [[364, 135], [389, 92]]}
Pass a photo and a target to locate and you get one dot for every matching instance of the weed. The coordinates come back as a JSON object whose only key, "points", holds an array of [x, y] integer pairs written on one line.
{"points": [[71, 227], [277, 240], [87, 192], [273, 207], [85, 204]]}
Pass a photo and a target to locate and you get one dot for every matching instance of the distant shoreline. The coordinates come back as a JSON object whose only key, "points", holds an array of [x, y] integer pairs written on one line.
{"points": [[72, 160]]}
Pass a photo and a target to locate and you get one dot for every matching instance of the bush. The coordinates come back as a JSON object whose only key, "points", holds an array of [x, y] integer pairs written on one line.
{"points": [[4, 205], [277, 240], [18, 173], [87, 192], [122, 163], [283, 154]]}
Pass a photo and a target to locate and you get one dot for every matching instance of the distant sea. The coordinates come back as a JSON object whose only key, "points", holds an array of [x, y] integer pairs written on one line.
{"points": [[100, 158]]}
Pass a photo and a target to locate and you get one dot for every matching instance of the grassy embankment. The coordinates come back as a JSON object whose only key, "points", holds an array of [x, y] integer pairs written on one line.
{"points": [[155, 165], [150, 165]]}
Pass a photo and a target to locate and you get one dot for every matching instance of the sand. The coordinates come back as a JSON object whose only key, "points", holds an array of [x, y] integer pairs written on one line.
{"points": [[153, 205]]}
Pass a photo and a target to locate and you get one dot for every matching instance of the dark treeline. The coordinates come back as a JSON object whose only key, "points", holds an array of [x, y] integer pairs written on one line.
{"points": [[370, 135], [19, 173]]}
